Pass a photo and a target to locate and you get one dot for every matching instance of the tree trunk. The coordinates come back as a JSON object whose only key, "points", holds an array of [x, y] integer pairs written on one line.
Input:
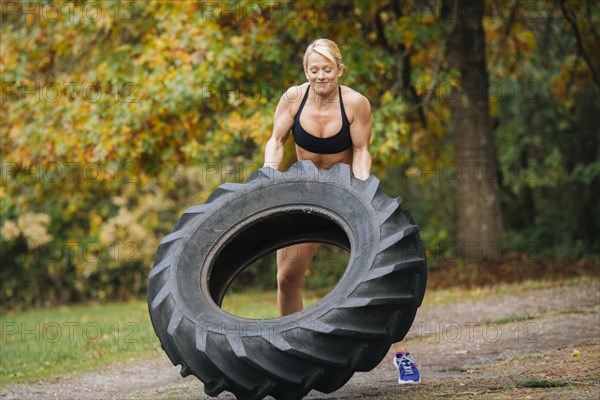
{"points": [[479, 221]]}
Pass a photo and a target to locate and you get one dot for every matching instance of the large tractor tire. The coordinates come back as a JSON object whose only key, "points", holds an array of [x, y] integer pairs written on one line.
{"points": [[350, 329]]}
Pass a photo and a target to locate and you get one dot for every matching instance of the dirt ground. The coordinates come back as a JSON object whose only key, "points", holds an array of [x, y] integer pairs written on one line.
{"points": [[540, 344]]}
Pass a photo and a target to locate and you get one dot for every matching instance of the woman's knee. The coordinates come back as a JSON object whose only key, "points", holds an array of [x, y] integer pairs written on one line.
{"points": [[289, 277], [292, 263]]}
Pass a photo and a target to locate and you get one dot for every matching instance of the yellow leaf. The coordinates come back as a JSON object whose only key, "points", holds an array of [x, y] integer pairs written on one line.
{"points": [[387, 97], [407, 38]]}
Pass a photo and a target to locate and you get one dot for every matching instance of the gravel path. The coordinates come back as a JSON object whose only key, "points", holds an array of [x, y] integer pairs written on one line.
{"points": [[456, 345]]}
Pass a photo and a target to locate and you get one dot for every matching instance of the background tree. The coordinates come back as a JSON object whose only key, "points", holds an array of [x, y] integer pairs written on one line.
{"points": [[478, 218]]}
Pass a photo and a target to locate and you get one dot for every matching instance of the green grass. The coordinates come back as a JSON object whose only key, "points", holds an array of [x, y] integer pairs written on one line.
{"points": [[262, 305], [40, 343], [540, 383], [513, 318]]}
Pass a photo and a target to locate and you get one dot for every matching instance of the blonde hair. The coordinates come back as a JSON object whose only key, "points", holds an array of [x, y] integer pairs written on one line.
{"points": [[325, 47]]}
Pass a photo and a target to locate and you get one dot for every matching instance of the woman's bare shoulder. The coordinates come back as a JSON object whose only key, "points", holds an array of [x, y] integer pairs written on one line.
{"points": [[295, 93], [354, 99]]}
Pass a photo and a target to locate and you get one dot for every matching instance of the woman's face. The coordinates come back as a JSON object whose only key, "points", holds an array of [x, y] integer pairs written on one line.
{"points": [[322, 73]]}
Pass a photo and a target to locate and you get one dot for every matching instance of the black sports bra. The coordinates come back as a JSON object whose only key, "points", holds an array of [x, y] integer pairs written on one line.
{"points": [[329, 145]]}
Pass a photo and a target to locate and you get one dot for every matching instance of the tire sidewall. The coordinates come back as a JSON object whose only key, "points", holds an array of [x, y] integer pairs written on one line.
{"points": [[331, 197]]}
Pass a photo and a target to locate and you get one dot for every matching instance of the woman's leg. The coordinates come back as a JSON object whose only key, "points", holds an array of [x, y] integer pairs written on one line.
{"points": [[292, 263], [400, 347]]}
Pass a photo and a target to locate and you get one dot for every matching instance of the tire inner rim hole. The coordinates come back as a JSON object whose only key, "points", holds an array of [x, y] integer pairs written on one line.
{"points": [[262, 238]]}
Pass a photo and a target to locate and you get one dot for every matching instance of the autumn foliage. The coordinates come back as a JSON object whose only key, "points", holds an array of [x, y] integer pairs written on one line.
{"points": [[117, 115]]}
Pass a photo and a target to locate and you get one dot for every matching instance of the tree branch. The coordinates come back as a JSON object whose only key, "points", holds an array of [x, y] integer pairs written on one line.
{"points": [[427, 98], [579, 41], [588, 13]]}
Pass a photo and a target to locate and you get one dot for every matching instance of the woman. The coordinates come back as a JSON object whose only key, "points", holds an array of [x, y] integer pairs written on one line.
{"points": [[331, 124]]}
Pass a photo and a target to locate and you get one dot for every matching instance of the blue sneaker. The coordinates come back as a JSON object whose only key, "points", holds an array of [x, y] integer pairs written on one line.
{"points": [[407, 368]]}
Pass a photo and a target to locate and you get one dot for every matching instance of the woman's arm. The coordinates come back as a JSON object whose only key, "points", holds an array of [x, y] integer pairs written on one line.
{"points": [[282, 124], [360, 130]]}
